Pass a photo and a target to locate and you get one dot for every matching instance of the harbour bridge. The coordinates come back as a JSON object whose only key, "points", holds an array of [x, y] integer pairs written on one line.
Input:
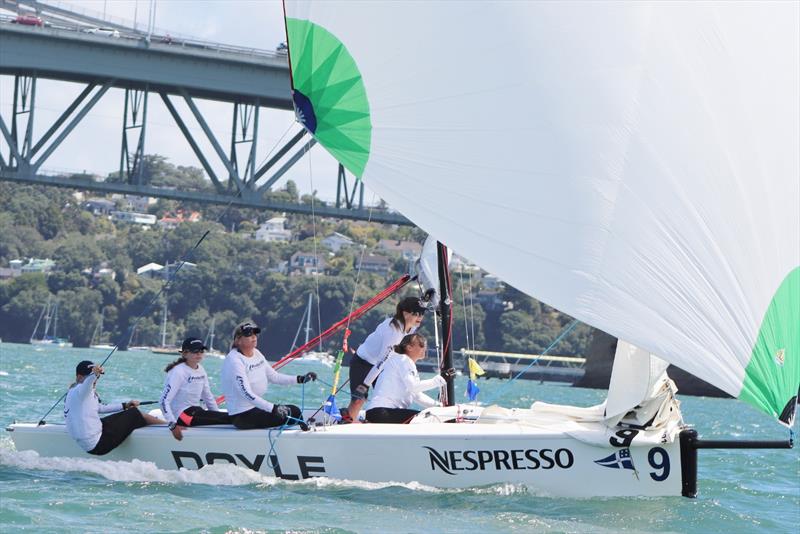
{"points": [[42, 42]]}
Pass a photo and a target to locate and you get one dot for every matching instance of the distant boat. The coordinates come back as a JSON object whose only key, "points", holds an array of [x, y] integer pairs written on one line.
{"points": [[163, 348], [97, 335], [313, 357], [50, 315], [209, 342]]}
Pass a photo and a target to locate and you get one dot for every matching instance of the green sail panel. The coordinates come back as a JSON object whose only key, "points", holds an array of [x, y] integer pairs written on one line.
{"points": [[329, 95], [772, 377]]}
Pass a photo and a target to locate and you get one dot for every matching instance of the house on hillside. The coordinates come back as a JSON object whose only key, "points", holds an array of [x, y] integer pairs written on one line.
{"points": [[337, 241], [274, 230], [491, 282], [131, 217], [306, 263], [169, 222], [373, 263], [135, 202], [409, 250], [36, 265], [151, 270], [100, 206]]}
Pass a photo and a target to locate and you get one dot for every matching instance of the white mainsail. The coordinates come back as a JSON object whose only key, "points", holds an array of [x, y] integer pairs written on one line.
{"points": [[633, 164]]}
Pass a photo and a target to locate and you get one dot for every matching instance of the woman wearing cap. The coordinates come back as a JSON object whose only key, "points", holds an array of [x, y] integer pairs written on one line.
{"points": [[82, 408], [246, 374], [365, 366], [186, 384], [399, 385]]}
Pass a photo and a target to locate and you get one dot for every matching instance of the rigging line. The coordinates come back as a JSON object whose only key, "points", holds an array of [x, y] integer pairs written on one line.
{"points": [[566, 330], [275, 146], [471, 310], [360, 262], [316, 252], [463, 302]]}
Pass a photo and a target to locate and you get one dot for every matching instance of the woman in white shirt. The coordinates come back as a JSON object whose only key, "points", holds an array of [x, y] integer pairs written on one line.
{"points": [[365, 365], [186, 384], [83, 407], [246, 375], [399, 385]]}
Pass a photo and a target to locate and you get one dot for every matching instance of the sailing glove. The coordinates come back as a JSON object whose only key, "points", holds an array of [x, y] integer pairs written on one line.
{"points": [[282, 411], [448, 373], [308, 377]]}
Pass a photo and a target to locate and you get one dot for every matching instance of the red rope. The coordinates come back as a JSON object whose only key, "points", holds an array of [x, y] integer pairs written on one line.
{"points": [[364, 308]]}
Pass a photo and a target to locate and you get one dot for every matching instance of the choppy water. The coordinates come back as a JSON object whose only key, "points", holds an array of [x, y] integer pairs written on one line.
{"points": [[740, 491]]}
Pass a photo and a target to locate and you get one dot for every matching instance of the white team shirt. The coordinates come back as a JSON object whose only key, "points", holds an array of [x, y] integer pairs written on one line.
{"points": [[81, 409], [399, 385], [184, 387], [378, 345], [245, 380]]}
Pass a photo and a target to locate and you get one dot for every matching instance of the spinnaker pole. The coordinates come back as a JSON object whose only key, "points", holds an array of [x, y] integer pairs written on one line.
{"points": [[446, 305]]}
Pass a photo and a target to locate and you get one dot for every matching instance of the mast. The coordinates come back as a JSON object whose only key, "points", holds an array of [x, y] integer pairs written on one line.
{"points": [[55, 320], [39, 320], [47, 318], [446, 309], [308, 317], [164, 323], [211, 334]]}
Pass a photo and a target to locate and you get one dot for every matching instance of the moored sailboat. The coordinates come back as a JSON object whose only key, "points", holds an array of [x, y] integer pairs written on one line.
{"points": [[644, 176]]}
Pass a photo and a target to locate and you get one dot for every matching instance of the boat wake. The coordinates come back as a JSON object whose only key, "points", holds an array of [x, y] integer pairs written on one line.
{"points": [[215, 474]]}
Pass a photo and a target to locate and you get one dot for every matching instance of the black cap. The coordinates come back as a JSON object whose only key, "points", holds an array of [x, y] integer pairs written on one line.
{"points": [[246, 329], [84, 368], [192, 344]]}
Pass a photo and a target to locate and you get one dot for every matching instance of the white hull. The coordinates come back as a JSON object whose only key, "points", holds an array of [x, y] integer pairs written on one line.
{"points": [[435, 454]]}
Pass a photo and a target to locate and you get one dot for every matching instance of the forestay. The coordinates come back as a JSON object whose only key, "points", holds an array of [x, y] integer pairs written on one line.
{"points": [[634, 165]]}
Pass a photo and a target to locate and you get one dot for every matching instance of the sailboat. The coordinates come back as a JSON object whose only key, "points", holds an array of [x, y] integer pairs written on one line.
{"points": [[50, 315], [634, 165], [163, 348], [209, 342], [310, 357], [97, 336]]}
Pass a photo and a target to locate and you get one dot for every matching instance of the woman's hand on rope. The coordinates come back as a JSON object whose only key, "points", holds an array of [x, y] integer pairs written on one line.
{"points": [[448, 373], [308, 377]]}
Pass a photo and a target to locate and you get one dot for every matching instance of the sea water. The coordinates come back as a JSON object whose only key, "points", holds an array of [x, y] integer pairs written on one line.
{"points": [[739, 490]]}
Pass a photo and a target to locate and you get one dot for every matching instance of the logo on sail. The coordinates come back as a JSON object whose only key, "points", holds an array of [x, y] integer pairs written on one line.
{"points": [[780, 357], [619, 460]]}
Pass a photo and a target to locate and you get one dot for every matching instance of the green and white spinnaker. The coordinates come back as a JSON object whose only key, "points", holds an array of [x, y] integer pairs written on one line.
{"points": [[633, 164]]}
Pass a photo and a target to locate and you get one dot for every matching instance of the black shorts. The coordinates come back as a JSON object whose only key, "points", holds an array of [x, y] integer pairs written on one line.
{"points": [[116, 428], [197, 416], [390, 415], [359, 369], [258, 418]]}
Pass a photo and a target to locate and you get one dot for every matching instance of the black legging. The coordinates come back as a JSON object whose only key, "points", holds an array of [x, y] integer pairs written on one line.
{"points": [[258, 418], [200, 417], [390, 415]]}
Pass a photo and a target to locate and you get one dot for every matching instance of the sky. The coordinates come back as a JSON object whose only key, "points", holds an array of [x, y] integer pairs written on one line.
{"points": [[94, 146]]}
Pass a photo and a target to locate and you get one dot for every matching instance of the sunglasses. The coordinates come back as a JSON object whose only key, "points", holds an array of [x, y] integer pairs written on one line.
{"points": [[417, 314], [196, 351], [250, 331]]}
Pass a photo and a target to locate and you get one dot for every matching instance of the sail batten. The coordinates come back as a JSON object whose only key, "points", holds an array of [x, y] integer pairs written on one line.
{"points": [[634, 165]]}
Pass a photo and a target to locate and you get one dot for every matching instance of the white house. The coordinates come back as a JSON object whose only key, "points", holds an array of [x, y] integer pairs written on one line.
{"points": [[151, 270], [131, 217], [274, 230], [307, 263], [337, 241]]}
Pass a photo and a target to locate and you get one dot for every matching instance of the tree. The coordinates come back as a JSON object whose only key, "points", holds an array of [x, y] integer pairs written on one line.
{"points": [[79, 312]]}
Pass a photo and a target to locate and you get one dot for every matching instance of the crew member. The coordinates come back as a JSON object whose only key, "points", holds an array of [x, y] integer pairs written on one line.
{"points": [[376, 348], [81, 409], [399, 386], [186, 384], [246, 375]]}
